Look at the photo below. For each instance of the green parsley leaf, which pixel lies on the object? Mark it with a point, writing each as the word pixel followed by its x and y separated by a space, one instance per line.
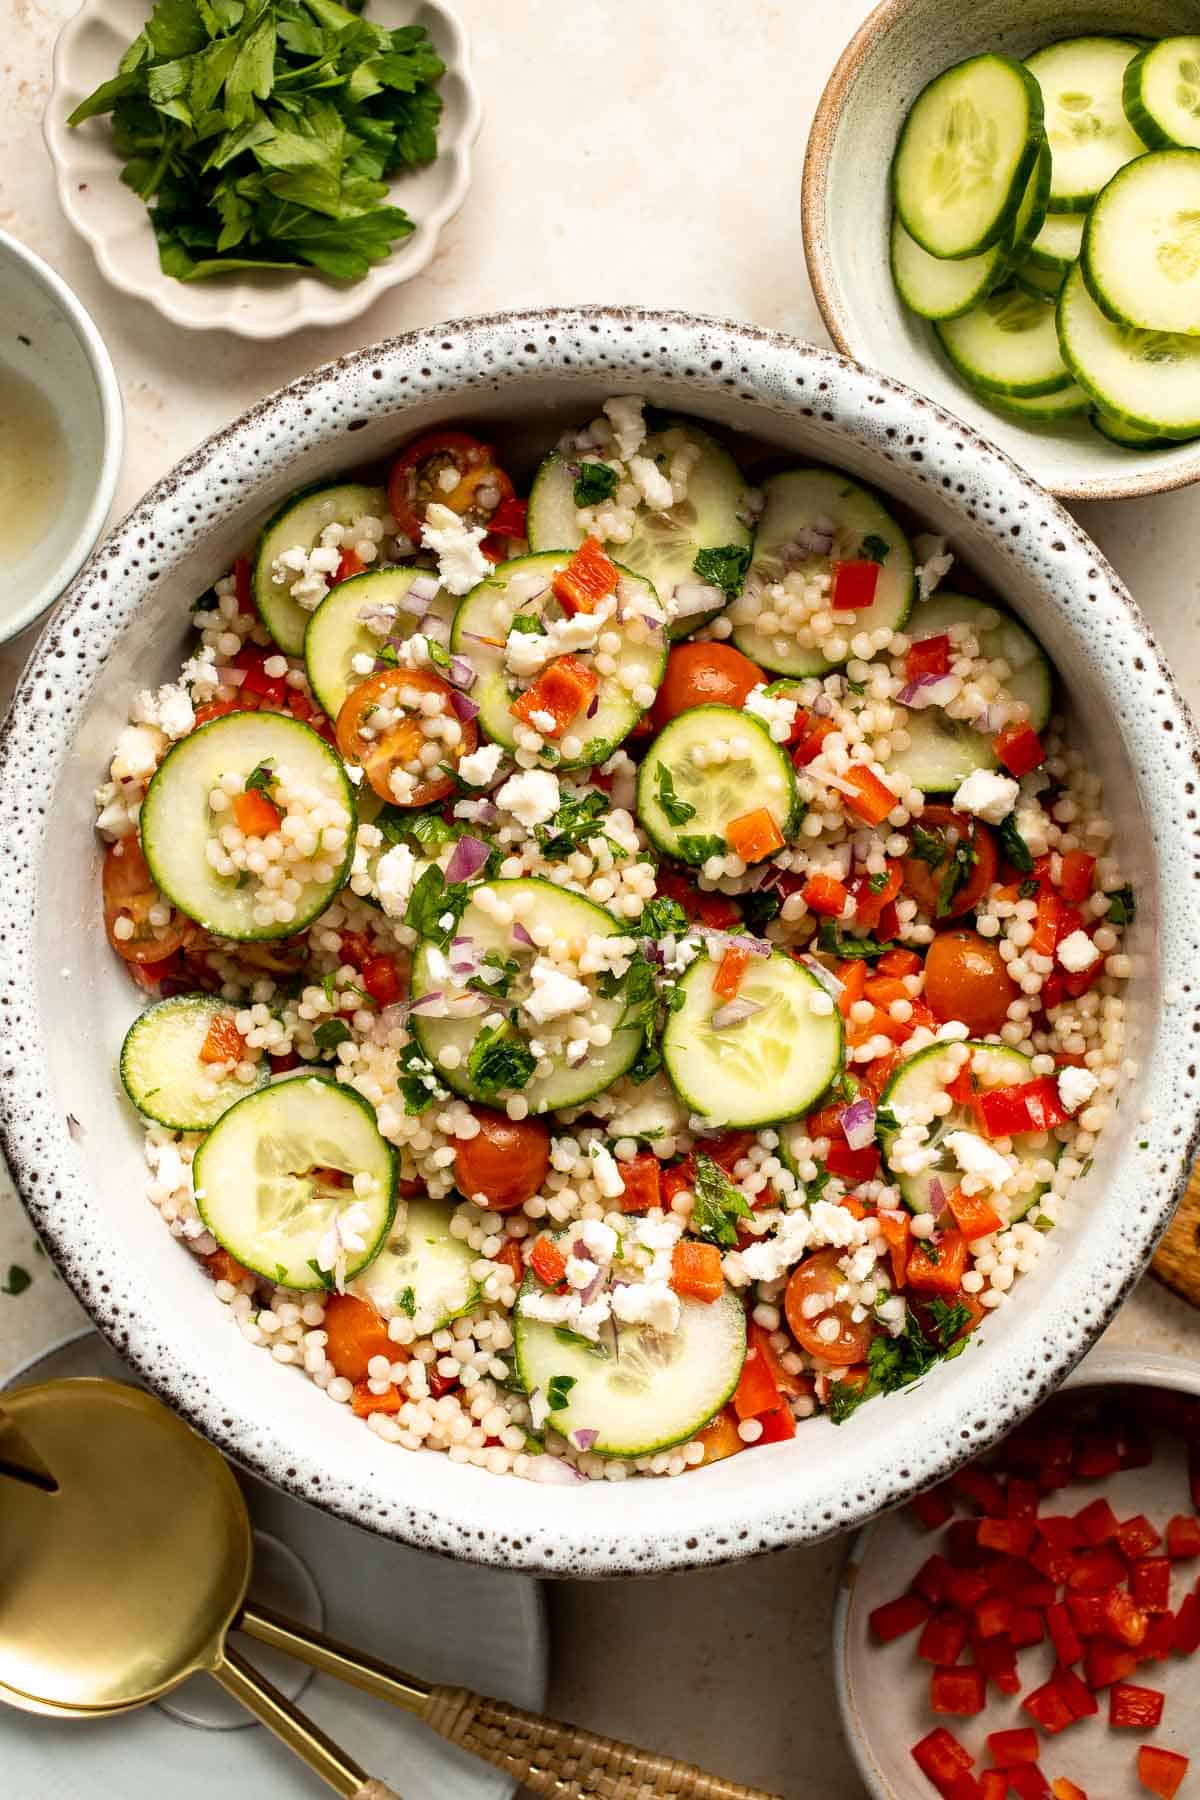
pixel 678 811
pixel 843 1398
pixel 330 1033
pixel 874 549
pixel 574 825
pixel 723 568
pixel 696 851
pixel 577 1341
pixel 408 1303
pixel 18 1280
pixel 527 625
pixel 1015 848
pixel 417 1079
pixel 437 653
pixel 557 1389
pixel 280 1273
pixel 816 1187
pixel 759 907
pixel 1122 907
pixel 507 969
pixel 886 1120
pixel 831 941
pixel 1029 890
pixel 324 1276
pixel 498 1060
pixel 426 829
pixel 927 846
pixel 894 1363
pixel 431 901
pixel 877 883
pixel 961 861
pixel 595 481
pixel 856 687
pixel 259 780
pixel 660 918
pixel 718 1204
pixel 948 1320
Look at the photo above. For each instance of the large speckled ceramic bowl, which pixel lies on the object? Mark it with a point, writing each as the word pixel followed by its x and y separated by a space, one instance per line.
pixel 846 209
pixel 65 1000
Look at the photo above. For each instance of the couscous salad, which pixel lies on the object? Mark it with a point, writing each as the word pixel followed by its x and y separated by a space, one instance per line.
pixel 629 968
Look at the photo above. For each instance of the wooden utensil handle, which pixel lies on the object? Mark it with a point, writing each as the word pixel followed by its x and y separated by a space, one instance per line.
pixel 564 1761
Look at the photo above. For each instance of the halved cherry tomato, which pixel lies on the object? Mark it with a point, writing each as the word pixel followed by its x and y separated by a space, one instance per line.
pixel 924 883
pixel 819 1274
pixel 415 479
pixel 703 675
pixel 220 709
pixel 965 978
pixel 129 893
pixel 505 1163
pixel 383 752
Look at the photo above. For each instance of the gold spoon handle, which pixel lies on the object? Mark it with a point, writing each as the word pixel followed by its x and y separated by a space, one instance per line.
pixel 306 1740
pixel 20 1460
pixel 562 1761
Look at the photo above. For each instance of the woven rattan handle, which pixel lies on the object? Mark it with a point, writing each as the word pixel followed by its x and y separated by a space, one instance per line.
pixel 562 1760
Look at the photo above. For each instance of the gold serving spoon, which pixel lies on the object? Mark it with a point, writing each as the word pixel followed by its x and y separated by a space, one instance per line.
pixel 125 1557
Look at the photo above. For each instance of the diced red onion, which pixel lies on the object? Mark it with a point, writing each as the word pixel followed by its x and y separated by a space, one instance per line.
pixel 725 940
pixel 377 618
pixel 462 672
pixel 230 677
pixel 858 1123
pixel 589 1292
pixel 465 708
pixel 937 1197
pixel 521 935
pixel 734 1012
pixel 989 720
pixel 808 541
pixel 930 690
pixel 823 706
pixel 584 1437
pixel 652 622
pixel 468 858
pixel 826 977
pixel 593 706
pixel 693 597
pixel 75 1129
pixel 425 1000
pixel 423 587
pixel 552 1471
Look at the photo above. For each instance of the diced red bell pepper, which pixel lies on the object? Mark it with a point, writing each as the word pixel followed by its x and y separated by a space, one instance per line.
pixel 982 1491
pixel 1060 1532
pixel 510 518
pixel 974 1216
pixel 1027 1628
pixel 942 1758
pixel 1183 1537
pixel 757 1391
pixel 588 577
pixel 255 815
pixel 1012 1537
pixel 1047 1705
pixel 998 1660
pixel 1053 1563
pixel 993 1785
pixel 1068 1645
pixel 562 690
pixel 1096 1457
pixel 1022 1498
pixel 1077 1694
pixel 928 656
pixel 643 1185
pixel 730 969
pixel 1161 1771
pixel 1045 929
pixel 1087 1614
pixel 1063 1789
pixel 778 1425
pixel 808 747
pixel 870 903
pixel 1020 1745
pixel 1134 1708
pixel 1019 748
pixel 1137 1537
pixel 960 1542
pixel 1097 1522
pixel 826 895
pixel 1104 1663
pixel 961 1692
pixel 1035 1592
pixel 1150 1584
pixel 1159 1640
pixel 1124 1619
pixel 1136 1450
pixel 942 1640
pixel 943 1276
pixel 1024 1106
pixel 696 1275
pixel 853 1165
pixel 243 586
pixel 854 583
pixel 1187 1626
pixel 896 1618
pixel 1028 1783
pixel 1075 882
pixel 1095 1571
pixel 966 1588
pixel 992 1615
pixel 872 799
pixel 931 1578
pixel 754 835
pixel 548 1262
pixel 350 563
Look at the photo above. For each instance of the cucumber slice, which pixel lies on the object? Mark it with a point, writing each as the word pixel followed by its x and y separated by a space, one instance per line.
pixel 1058 243
pixel 942 751
pixel 161 1068
pixel 177 823
pixel 335 634
pixel 423 1268
pixel 658 1391
pixel 664 545
pixel 1007 344
pixel 1147 379
pixel 757 772
pixel 1129 438
pixel 1162 93
pixel 965 155
pixel 934 287
pixel 566 915
pixel 1141 247
pixel 1082 80
pixel 1031 214
pixel 1049 409
pixel 1032 278
pixel 918 1080
pixel 797 501
pixel 481 626
pixel 773 1065
pixel 257 1192
pixel 299 523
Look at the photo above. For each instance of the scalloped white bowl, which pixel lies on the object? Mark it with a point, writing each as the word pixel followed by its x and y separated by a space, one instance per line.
pixel 252 304
pixel 65 1001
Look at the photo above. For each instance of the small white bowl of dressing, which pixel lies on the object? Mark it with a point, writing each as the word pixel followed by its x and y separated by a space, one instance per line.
pixel 61 436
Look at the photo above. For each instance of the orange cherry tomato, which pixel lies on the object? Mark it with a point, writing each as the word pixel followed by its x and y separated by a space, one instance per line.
pixel 703 675
pixel 965 978
pixel 924 882
pixel 129 893
pixel 377 731
pixel 819 1274
pixel 506 1162
pixel 415 480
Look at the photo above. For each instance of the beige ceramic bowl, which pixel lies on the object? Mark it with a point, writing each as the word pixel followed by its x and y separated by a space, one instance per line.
pixel 847 212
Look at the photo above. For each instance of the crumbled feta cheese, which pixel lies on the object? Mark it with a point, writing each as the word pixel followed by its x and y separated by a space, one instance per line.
pixel 599 1239
pixel 480 766
pixel 652 1303
pixel 624 414
pixel 834 1225
pixel 461 563
pixel 976 1157
pixel 531 796
pixel 935 562
pixel 137 752
pixel 770 1258
pixel 361 663
pixel 354 773
pixel 989 796
pixel 605 1170
pixel 581 1272
pixel 651 483
pixel 545 722
pixel 170 709
pixel 1032 824
pixel 526 653
pixel 1076 1087
pixel 777 712
pixel 1077 952
pixel 554 994
pixel 394 874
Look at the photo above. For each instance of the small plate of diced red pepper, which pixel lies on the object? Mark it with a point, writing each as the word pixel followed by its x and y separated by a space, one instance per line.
pixel 1031 1628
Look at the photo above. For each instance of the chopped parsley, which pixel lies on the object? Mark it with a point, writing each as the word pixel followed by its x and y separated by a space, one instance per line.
pixel 831 941
pixel 1029 890
pixel 557 1389
pixel 573 826
pixel 1122 907
pixel 437 653
pixel 527 625
pixel 426 828
pixel 661 918
pixel 696 850
pixel 330 1033
pixel 948 1320
pixel 723 568
pixel 595 481
pixel 885 1119
pixel 17 1281
pixel 894 1363
pixel 324 1276
pixel 927 846
pixel 259 780
pixel 431 901
pixel 577 1341
pixel 678 811
pixel 507 969
pixel 417 1079
pixel 1015 848
pixel 961 861
pixel 816 1187
pixel 759 908
pixel 877 883
pixel 873 549
pixel 718 1204
pixel 498 1060
pixel 407 1303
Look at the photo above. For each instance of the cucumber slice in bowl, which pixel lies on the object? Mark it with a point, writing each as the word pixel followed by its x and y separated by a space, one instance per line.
pixel 178 825
pixel 934 287
pixel 1081 81
pixel 1149 380
pixel 1008 344
pixel 335 634
pixel 161 1068
pixel 1032 278
pixel 811 519
pixel 1058 243
pixel 923 1077
pixel 263 1189
pixel 658 1391
pixel 1162 93
pixel 664 545
pixel 482 625
pixel 770 1066
pixel 966 152
pixel 1044 409
pixel 298 525
pixel 1141 247
pixel 422 1269
pixel 565 915
pixel 686 799
pixel 1128 436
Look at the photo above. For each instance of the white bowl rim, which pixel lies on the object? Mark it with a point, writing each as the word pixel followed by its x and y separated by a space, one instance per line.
pixel 112 414
pixel 827 291
pixel 584 1531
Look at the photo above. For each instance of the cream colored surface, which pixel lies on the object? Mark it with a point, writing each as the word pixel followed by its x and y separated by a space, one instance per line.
pixel 645 154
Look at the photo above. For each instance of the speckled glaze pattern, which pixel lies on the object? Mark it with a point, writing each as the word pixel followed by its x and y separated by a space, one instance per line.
pixel 846 217
pixel 64 1004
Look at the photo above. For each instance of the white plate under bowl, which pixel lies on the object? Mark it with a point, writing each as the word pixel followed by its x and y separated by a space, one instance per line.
pixel 250 303
pixel 436 1618
pixel 883 1690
